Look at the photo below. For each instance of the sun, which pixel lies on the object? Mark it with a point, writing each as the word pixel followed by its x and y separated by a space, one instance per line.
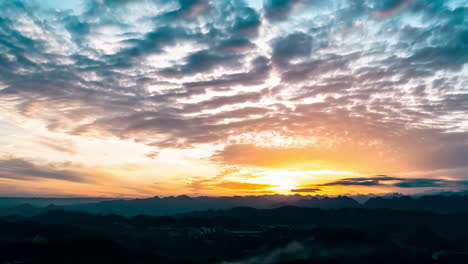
pixel 284 183
pixel 288 181
pixel 283 180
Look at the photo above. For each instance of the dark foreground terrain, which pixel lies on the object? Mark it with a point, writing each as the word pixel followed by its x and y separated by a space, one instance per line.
pixel 287 234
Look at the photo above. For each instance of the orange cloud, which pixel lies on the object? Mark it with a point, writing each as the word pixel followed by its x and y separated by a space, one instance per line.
pixel 343 158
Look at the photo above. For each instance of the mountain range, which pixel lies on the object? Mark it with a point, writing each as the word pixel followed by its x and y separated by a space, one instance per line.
pixel 159 206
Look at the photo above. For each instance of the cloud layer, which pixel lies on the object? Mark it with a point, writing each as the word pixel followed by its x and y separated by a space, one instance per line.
pixel 382 180
pixel 369 86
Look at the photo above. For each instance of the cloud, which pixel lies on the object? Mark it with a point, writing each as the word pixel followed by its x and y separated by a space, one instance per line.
pixel 364 181
pixel 306 190
pixel 201 61
pixel 247 21
pixel 382 180
pixel 191 8
pixel 276 10
pixel 391 7
pixel 21 169
pixel 152 155
pixel 218 101
pixel 425 183
pixel 296 45
pixel 155 41
pixel 260 69
pixel 339 158
pixel 64 146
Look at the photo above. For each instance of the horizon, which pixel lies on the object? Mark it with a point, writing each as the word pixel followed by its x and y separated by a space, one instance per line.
pixel 308 195
pixel 128 99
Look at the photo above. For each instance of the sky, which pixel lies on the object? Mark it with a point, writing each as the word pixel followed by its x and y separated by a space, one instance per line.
pixel 137 98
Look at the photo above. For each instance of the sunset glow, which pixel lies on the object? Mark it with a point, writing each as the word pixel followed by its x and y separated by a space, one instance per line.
pixel 143 98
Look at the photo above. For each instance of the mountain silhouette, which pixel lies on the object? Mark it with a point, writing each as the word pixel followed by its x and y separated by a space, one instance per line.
pixel 434 203
pixel 183 204
pixel 172 205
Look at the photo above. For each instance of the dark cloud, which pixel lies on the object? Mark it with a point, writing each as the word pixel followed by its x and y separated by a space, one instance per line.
pixel 293 46
pixel 390 7
pixel 247 21
pixel 203 61
pixel 364 181
pixel 219 101
pixel 311 68
pixel 426 183
pixel 381 180
pixel 260 69
pixel 155 41
pixel 20 169
pixel 192 8
pixel 306 190
pixel 236 45
pixel 77 28
pixel 276 10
